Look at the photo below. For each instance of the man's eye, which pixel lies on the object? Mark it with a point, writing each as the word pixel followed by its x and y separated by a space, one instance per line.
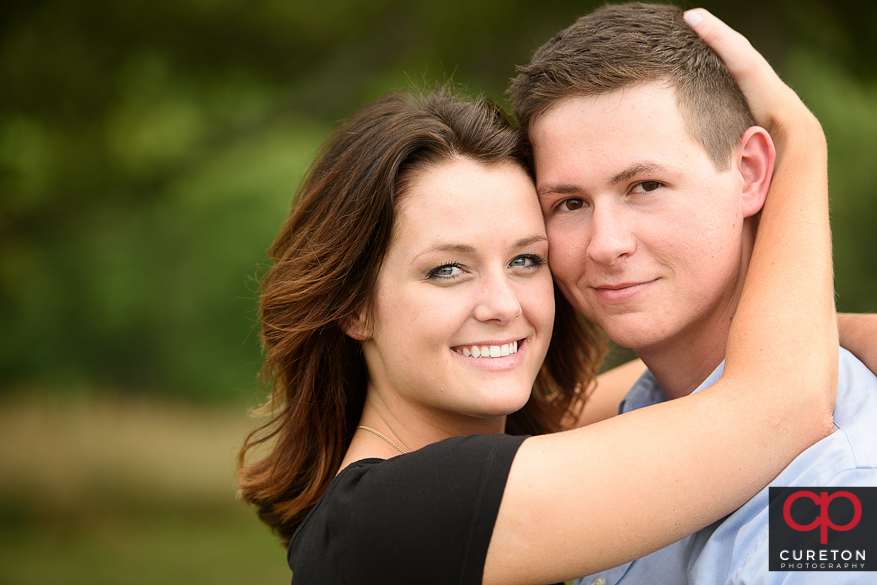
pixel 646 187
pixel 572 204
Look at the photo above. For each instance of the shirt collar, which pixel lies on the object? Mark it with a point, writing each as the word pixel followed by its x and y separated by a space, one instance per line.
pixel 646 390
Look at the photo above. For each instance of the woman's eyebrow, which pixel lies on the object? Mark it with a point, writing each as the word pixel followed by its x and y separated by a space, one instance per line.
pixel 534 239
pixel 467 249
pixel 449 247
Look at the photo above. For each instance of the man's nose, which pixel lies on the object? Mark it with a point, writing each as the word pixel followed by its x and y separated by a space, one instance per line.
pixel 611 238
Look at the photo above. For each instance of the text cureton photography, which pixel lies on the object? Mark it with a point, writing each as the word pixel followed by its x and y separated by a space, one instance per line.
pixel 823 529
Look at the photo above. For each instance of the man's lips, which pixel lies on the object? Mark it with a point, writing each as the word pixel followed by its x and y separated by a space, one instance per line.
pixel 623 291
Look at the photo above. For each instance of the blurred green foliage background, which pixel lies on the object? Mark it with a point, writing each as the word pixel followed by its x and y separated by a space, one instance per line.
pixel 148 154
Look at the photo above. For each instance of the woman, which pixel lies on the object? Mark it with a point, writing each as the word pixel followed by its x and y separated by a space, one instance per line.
pixel 401 299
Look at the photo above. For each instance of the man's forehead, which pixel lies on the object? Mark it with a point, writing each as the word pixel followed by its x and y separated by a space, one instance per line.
pixel 634 131
pixel 613 99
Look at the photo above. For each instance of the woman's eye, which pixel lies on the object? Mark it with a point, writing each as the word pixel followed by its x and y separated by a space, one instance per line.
pixel 527 261
pixel 445 271
pixel 646 187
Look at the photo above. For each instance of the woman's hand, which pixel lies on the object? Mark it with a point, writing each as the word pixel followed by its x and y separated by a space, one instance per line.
pixel 775 106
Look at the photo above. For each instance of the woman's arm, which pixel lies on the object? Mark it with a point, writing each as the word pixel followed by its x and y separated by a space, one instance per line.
pixel 584 500
pixel 858 334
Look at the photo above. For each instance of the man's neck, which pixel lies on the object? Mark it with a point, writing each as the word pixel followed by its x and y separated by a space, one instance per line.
pixel 683 366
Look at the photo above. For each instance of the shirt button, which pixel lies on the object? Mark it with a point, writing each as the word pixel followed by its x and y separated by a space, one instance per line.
pixel 599 581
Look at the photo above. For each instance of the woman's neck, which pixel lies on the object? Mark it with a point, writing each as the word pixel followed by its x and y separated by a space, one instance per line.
pixel 409 428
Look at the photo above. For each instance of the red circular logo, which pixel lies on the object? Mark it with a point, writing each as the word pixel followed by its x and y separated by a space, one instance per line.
pixel 823 522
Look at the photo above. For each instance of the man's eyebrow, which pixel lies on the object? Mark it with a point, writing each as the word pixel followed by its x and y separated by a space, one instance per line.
pixel 639 169
pixel 556 189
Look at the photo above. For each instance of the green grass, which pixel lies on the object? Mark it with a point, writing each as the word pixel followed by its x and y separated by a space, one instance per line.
pixel 139 547
pixel 126 492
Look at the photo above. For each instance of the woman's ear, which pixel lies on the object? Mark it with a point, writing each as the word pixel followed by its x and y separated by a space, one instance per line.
pixel 357 326
pixel 756 160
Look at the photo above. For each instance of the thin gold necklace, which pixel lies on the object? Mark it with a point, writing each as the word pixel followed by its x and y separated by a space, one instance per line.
pixel 371 430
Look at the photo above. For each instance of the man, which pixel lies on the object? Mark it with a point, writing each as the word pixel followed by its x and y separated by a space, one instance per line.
pixel 651 174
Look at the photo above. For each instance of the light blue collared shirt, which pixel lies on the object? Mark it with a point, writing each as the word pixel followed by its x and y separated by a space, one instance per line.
pixel 735 550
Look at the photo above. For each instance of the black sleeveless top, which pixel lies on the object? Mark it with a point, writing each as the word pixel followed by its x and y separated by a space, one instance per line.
pixel 422 517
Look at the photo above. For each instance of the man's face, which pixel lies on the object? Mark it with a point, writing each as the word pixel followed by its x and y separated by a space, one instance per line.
pixel 645 235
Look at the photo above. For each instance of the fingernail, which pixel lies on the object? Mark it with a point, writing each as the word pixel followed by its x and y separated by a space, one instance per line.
pixel 692 18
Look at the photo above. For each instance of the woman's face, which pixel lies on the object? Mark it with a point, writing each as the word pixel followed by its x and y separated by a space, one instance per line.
pixel 464 302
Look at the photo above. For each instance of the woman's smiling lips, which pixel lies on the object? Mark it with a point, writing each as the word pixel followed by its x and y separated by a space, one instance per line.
pixel 485 350
pixel 615 293
pixel 490 353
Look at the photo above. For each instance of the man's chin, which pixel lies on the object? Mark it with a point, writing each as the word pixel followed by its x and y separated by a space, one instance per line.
pixel 631 333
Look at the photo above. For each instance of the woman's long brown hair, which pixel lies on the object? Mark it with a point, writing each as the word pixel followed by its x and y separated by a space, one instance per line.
pixel 326 260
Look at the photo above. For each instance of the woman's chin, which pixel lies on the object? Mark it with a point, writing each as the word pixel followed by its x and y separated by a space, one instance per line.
pixel 509 404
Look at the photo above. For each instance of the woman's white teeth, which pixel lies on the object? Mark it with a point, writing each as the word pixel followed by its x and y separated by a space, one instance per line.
pixel 490 350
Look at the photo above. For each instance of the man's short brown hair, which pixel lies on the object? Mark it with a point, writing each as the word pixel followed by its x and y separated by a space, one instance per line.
pixel 627 45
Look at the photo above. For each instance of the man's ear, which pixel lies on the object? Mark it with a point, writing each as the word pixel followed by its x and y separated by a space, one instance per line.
pixel 357 326
pixel 756 159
